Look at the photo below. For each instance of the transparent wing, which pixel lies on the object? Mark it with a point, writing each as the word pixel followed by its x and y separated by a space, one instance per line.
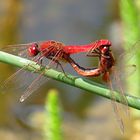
pixel 129 54
pixel 118 109
pixel 118 85
pixel 34 85
pixel 36 82
pixel 24 81
pixel 11 82
pixel 19 49
pixel 18 81
pixel 120 72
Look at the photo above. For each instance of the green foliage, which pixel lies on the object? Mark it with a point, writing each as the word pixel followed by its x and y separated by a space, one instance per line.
pixel 52 124
pixel 129 16
pixel 130 21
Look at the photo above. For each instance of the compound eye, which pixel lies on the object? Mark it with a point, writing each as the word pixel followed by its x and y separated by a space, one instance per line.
pixel 33 50
pixel 35 45
pixel 105 49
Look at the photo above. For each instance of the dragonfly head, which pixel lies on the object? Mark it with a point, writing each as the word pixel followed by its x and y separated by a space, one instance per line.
pixel 105 49
pixel 104 46
pixel 33 50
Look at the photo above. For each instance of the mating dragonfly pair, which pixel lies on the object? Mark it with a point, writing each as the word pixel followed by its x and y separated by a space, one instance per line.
pixel 57 52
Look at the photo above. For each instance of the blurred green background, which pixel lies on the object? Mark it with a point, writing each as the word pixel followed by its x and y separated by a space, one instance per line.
pixel 83 116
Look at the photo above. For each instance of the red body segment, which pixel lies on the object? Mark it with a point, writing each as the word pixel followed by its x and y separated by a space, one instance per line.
pixel 106 60
pixel 46 44
pixel 72 49
pixel 69 49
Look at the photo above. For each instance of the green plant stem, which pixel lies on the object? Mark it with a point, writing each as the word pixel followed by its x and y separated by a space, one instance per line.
pixel 81 83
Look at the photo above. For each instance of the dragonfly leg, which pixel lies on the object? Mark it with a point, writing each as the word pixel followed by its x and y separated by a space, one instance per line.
pixel 93 55
pixel 40 62
pixel 59 64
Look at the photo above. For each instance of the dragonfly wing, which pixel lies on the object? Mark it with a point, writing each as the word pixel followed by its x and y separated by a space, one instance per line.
pixel 36 83
pixel 11 82
pixel 19 49
pixel 130 53
pixel 118 84
pixel 118 108
pixel 17 81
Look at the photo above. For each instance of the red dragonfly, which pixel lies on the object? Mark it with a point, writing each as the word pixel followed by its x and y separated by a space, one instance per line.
pixel 57 51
